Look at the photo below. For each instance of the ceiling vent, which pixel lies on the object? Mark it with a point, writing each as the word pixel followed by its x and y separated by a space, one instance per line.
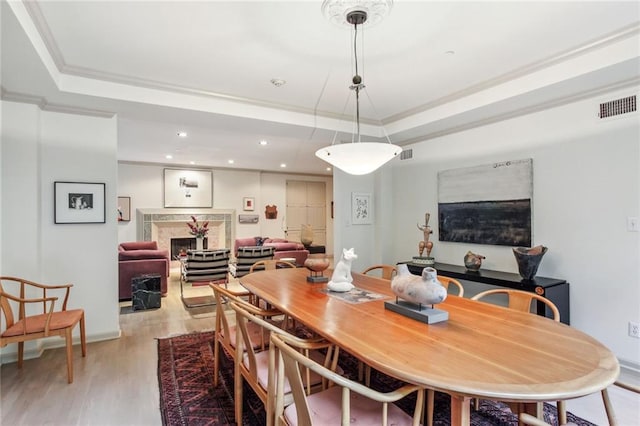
pixel 406 154
pixel 618 107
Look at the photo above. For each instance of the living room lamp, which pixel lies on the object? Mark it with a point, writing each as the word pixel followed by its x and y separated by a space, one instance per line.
pixel 358 157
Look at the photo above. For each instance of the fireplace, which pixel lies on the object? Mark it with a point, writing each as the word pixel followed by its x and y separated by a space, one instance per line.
pixel 165 225
pixel 179 246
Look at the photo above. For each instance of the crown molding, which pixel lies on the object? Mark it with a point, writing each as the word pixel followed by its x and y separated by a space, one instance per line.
pixel 46 106
pixel 630 83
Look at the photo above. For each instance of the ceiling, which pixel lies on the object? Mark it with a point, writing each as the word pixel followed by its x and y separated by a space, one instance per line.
pixel 431 68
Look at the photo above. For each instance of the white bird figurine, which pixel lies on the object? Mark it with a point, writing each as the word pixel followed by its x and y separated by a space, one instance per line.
pixel 425 290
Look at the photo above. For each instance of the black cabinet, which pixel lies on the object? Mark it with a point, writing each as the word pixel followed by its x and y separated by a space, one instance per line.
pixel 554 289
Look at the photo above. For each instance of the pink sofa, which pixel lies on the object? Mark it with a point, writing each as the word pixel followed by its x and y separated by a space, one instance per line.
pixel 284 248
pixel 141 258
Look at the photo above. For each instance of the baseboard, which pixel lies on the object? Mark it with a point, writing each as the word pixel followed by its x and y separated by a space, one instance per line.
pixel 629 366
pixel 7 357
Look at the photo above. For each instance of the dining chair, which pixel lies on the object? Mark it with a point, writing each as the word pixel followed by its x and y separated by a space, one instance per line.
pixel 528 419
pixel 50 322
pixel 521 301
pixel 446 281
pixel 225 333
pixel 386 271
pixel 252 366
pixel 270 264
pixel 343 401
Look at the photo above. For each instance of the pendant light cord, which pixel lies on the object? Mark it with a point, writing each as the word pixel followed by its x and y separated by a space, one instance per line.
pixel 357 80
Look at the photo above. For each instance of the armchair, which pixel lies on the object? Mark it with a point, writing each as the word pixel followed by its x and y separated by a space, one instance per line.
pixel 141 258
pixel 51 322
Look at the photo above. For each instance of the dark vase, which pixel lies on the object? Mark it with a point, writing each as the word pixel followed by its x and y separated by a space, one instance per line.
pixel 528 260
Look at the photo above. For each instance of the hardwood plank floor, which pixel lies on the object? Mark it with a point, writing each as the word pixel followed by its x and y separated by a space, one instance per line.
pixel 117 383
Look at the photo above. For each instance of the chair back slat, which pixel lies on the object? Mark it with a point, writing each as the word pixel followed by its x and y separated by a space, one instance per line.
pixel 521 300
pixel 387 271
pixel 446 281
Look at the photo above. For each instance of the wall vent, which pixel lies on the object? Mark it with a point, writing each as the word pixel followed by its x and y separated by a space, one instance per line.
pixel 617 107
pixel 406 154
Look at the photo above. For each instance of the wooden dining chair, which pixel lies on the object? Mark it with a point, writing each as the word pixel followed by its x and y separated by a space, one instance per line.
pixel 50 322
pixel 522 301
pixel 387 272
pixel 252 366
pixel 342 402
pixel 446 281
pixel 270 264
pixel 528 419
pixel 225 333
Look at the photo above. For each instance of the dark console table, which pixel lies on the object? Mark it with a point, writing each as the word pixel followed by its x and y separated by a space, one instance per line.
pixel 554 289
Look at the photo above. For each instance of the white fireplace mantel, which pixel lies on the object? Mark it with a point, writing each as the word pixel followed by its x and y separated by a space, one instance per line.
pixel 221 221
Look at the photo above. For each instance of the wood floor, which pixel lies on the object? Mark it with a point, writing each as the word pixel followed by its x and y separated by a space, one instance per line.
pixel 117 383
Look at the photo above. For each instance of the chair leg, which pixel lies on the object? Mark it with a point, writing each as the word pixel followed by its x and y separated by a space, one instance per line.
pixel 83 338
pixel 237 394
pixel 20 354
pixel 611 416
pixel 216 360
pixel 69 339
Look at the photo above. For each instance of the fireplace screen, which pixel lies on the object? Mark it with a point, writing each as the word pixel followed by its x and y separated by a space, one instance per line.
pixel 179 246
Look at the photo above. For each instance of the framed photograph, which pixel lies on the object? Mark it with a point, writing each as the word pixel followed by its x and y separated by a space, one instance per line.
pixel 361 208
pixel 188 188
pixel 249 204
pixel 78 202
pixel 248 218
pixel 124 209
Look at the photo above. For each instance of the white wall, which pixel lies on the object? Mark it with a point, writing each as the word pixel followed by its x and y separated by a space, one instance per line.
pixel 144 184
pixel 39 148
pixel 586 184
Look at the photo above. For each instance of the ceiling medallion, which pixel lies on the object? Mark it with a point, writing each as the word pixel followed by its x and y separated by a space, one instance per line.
pixel 336 11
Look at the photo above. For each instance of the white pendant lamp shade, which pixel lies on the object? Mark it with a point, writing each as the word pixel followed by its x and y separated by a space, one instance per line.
pixel 358 158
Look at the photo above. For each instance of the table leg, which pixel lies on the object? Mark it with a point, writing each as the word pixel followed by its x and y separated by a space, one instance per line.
pixel 460 410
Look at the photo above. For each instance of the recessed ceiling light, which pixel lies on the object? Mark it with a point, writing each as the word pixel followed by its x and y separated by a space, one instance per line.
pixel 192 162
pixel 283 165
pixel 263 142
pixel 278 82
pixel 182 134
pixel 450 52
pixel 230 161
pixel 168 156
pixel 328 169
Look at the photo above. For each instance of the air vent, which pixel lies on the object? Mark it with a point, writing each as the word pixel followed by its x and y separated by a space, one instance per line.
pixel 406 154
pixel 617 107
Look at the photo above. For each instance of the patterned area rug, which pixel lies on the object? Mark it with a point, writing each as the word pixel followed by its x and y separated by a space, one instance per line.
pixel 187 395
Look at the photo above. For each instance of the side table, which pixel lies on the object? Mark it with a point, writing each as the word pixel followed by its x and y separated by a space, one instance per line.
pixel 145 292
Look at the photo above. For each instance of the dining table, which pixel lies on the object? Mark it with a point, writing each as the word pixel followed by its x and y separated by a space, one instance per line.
pixel 481 351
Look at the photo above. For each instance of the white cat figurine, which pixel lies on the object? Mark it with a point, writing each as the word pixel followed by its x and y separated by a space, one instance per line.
pixel 341 279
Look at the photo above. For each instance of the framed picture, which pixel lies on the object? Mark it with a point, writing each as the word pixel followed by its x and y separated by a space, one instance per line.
pixel 248 204
pixel 248 218
pixel 188 188
pixel 124 209
pixel 361 213
pixel 78 202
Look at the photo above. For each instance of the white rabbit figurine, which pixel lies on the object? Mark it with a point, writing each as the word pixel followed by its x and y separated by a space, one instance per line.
pixel 341 279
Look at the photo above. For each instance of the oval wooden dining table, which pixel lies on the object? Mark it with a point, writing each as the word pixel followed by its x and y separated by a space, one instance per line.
pixel 482 350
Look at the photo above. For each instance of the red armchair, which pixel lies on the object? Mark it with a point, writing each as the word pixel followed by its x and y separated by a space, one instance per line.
pixel 141 258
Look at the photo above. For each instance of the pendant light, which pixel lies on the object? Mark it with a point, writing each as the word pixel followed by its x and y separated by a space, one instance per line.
pixel 358 157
